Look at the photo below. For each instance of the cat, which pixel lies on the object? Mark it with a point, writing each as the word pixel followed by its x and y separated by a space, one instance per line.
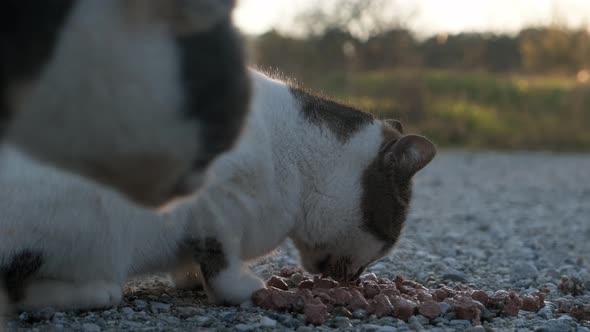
pixel 333 179
pixel 139 95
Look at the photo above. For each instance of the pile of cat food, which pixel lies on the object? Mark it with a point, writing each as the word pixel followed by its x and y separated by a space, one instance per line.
pixel 571 306
pixel 319 299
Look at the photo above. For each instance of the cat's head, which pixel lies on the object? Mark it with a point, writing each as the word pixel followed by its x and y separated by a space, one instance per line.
pixel 75 89
pixel 362 217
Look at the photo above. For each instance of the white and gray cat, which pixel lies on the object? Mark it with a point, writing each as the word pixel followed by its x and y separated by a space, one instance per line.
pixel 333 179
pixel 138 94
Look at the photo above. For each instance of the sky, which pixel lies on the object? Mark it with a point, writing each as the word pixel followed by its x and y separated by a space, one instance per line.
pixel 433 16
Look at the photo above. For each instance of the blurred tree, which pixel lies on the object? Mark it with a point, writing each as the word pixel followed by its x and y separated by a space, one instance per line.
pixel 389 49
pixel 362 18
pixel 554 49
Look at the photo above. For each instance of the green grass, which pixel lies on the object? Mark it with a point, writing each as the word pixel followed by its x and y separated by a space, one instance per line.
pixel 474 110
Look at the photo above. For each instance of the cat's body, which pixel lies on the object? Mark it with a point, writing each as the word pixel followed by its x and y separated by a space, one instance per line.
pixel 137 94
pixel 331 178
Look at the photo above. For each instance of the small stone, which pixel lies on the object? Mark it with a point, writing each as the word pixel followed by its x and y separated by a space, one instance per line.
pixel 201 320
pixel 359 314
pixel 415 324
pixel 304 329
pixel 127 311
pixel 422 320
pixel 156 307
pixel 247 304
pixel 430 309
pixel 477 328
pixel 460 323
pixel 546 312
pixel 277 282
pixel 91 327
pixel 268 322
pixel 140 304
pixel 455 275
pixel 246 327
pixel 44 314
pixel 525 270
pixel 315 312
pixel 342 323
pixel 555 325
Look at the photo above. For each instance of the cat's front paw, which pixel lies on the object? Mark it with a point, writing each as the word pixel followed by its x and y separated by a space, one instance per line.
pixel 233 288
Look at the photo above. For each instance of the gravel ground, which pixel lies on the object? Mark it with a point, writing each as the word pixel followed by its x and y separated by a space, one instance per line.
pixel 493 220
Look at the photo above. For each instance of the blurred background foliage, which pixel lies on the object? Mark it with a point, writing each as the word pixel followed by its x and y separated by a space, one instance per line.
pixel 529 90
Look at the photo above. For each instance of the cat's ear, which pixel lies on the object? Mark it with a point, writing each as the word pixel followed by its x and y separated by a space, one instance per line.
pixel 409 154
pixel 395 124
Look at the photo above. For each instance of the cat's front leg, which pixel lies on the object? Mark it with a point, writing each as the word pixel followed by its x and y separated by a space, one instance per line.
pixel 232 285
pixel 226 280
pixel 64 295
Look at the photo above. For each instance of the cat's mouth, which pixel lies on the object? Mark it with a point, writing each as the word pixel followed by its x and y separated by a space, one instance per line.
pixel 339 269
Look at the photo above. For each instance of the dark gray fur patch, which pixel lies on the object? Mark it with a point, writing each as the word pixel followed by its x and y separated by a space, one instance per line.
pixel 19 271
pixel 342 120
pixel 386 196
pixel 209 254
pixel 28 33
pixel 216 86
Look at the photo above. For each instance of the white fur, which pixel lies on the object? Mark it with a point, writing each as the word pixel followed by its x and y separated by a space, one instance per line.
pixel 91 239
pixel 108 104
